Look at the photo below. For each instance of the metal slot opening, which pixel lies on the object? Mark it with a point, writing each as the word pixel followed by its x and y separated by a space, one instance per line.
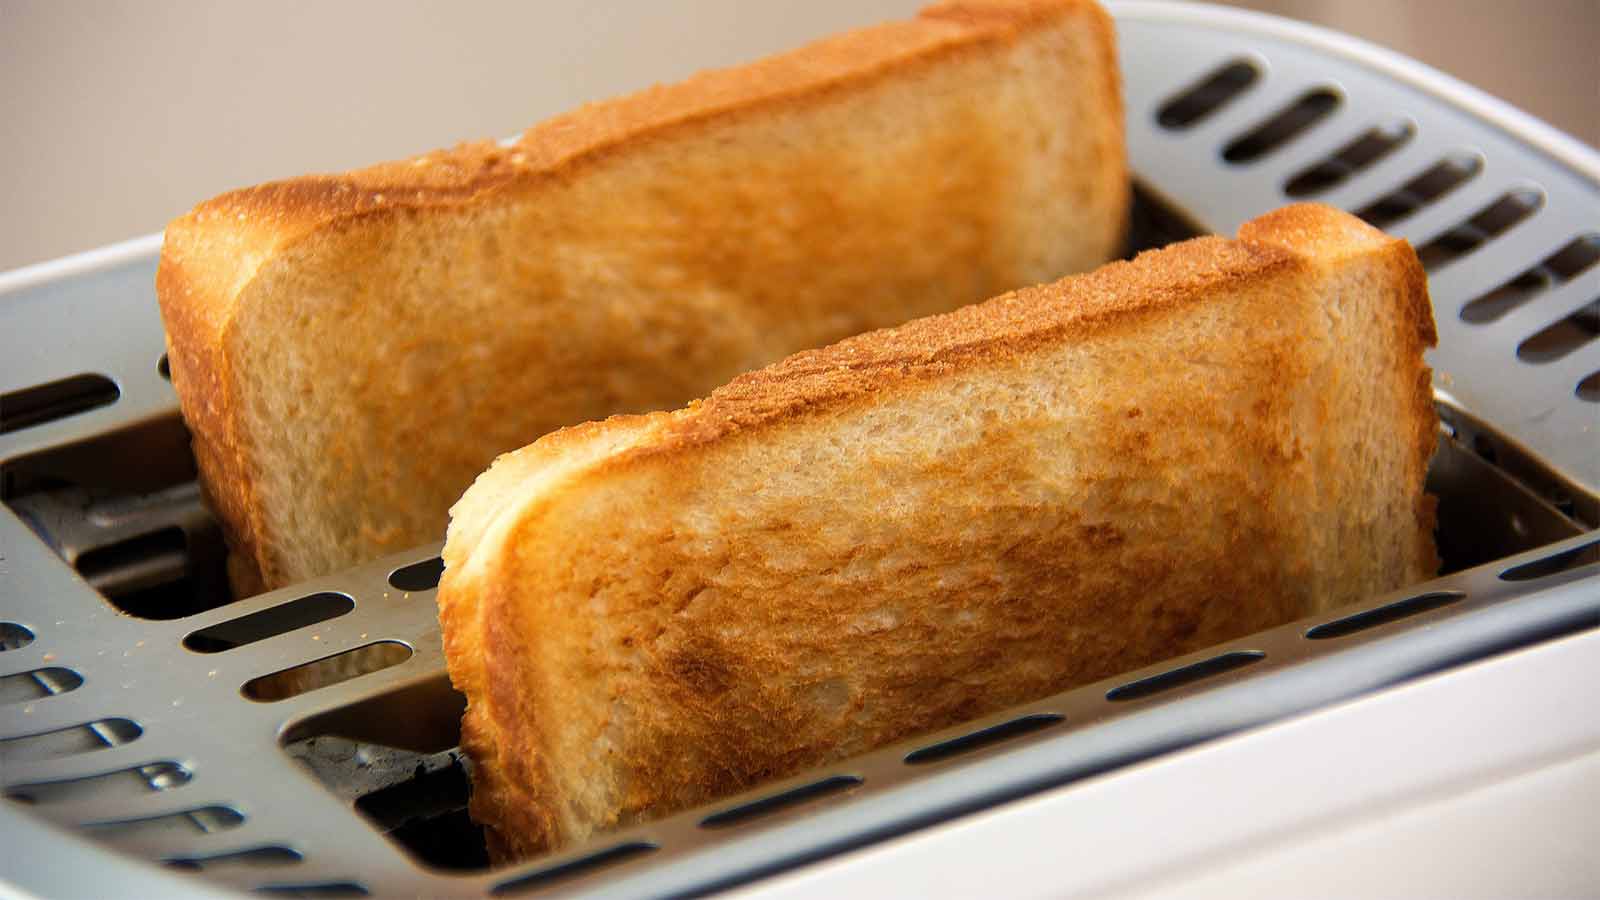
pixel 329 889
pixel 1292 121
pixel 39 683
pixel 778 802
pixel 257 857
pixel 164 368
pixel 1561 338
pixel 1176 678
pixel 1359 154
pixel 419 576
pixel 258 626
pixel 1551 565
pixel 69 741
pixel 1588 389
pixel 204 820
pixel 426 814
pixel 610 856
pixel 56 400
pixel 986 737
pixel 131 782
pixel 1392 612
pixel 1208 95
pixel 1558 268
pixel 326 672
pixel 1490 222
pixel 14 636
pixel 1439 179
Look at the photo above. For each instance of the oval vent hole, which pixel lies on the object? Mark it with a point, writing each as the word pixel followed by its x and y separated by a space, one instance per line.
pixel 56 400
pixel 133 782
pixel 419 576
pixel 69 741
pixel 1359 154
pixel 204 820
pixel 326 672
pixel 257 857
pixel 1208 95
pixel 977 740
pixel 1439 179
pixel 777 802
pixel 610 856
pixel 1561 338
pixel 1558 268
pixel 259 626
pixel 1294 120
pixel 1489 223
pixel 1558 562
pixel 1189 674
pixel 14 636
pixel 1389 612
pixel 164 367
pixel 321 889
pixel 25 686
pixel 1588 389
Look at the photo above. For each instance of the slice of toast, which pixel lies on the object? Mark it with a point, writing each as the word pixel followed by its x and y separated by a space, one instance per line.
pixel 351 350
pixel 927 523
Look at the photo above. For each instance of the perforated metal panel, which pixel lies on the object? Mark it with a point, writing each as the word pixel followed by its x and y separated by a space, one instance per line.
pixel 173 741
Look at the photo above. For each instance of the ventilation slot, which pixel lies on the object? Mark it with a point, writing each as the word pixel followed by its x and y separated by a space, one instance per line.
pixel 977 740
pixel 327 672
pixel 256 858
pixel 164 368
pixel 425 813
pixel 39 683
pixel 768 805
pixel 1383 615
pixel 1491 222
pixel 144 576
pixel 1441 178
pixel 1189 674
pixel 1560 267
pixel 205 820
pixel 1295 119
pixel 14 636
pixel 134 782
pixel 1353 157
pixel 1551 565
pixel 1563 337
pixel 582 865
pixel 1588 389
pixel 56 400
pixel 69 741
pixel 259 626
pixel 421 576
pixel 328 889
pixel 1209 95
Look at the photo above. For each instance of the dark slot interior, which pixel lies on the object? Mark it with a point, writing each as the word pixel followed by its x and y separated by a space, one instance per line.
pixel 1555 563
pixel 1489 223
pixel 323 889
pixel 39 683
pixel 1383 615
pixel 1208 95
pixel 1560 338
pixel 14 636
pixel 1185 675
pixel 204 820
pixel 1558 268
pixel 69 741
pixel 610 856
pixel 257 857
pixel 1588 389
pixel 326 672
pixel 156 776
pixel 280 619
pixel 55 400
pixel 427 816
pixel 1373 145
pixel 1439 179
pixel 419 576
pixel 777 802
pixel 985 737
pixel 1292 121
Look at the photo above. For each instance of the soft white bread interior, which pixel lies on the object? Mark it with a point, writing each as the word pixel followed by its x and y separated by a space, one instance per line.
pixel 923 524
pixel 351 350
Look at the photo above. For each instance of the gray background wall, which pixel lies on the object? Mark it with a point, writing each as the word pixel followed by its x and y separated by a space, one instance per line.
pixel 119 115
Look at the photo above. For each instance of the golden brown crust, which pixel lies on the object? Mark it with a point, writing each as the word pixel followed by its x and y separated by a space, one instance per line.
pixel 246 230
pixel 736 693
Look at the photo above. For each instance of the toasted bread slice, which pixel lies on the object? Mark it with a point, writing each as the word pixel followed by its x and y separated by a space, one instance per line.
pixel 923 524
pixel 351 350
